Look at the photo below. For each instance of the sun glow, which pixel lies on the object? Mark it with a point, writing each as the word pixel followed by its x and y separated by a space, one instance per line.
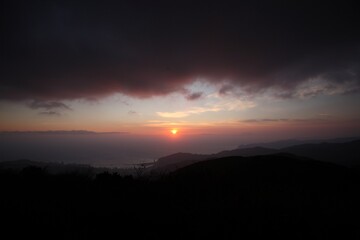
pixel 174 131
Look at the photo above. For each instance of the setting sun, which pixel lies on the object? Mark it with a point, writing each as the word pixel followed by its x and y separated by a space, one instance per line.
pixel 174 131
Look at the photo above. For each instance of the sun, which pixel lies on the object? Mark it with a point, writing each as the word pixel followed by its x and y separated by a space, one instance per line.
pixel 174 131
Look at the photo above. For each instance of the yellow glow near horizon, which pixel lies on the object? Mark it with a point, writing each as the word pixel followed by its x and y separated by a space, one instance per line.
pixel 174 131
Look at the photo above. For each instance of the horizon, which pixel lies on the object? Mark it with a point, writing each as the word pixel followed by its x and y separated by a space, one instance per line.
pixel 121 149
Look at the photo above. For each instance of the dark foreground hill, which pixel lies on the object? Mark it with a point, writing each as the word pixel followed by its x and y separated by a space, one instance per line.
pixel 343 153
pixel 347 153
pixel 279 196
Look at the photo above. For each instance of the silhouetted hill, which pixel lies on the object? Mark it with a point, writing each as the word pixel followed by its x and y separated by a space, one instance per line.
pixel 292 142
pixel 276 165
pixel 179 157
pixel 180 160
pixel 176 161
pixel 281 194
pixel 245 152
pixel 278 196
pixel 342 153
pixel 347 153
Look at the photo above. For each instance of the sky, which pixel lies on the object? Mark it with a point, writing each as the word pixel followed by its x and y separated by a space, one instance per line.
pixel 258 69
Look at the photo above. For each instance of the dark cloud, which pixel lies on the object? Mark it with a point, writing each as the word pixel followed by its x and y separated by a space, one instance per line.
pixel 53 50
pixel 126 103
pixel 282 120
pixel 48 105
pixel 131 112
pixel 194 96
pixel 225 89
pixel 264 120
pixel 50 113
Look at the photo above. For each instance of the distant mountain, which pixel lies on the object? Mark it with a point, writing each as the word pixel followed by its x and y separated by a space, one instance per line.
pixel 51 168
pixel 347 153
pixel 180 160
pixel 176 161
pixel 179 157
pixel 245 152
pixel 57 132
pixel 292 142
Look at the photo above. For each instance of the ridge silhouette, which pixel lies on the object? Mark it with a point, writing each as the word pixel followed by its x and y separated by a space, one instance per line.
pixel 278 195
pixel 344 153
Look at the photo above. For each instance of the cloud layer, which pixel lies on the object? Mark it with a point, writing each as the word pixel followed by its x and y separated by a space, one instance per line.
pixel 215 104
pixel 48 108
pixel 48 105
pixel 57 50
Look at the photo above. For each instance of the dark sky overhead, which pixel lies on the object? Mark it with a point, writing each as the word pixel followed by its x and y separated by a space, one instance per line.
pixel 56 50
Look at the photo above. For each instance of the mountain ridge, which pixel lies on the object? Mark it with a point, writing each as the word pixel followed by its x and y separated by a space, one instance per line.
pixel 347 153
